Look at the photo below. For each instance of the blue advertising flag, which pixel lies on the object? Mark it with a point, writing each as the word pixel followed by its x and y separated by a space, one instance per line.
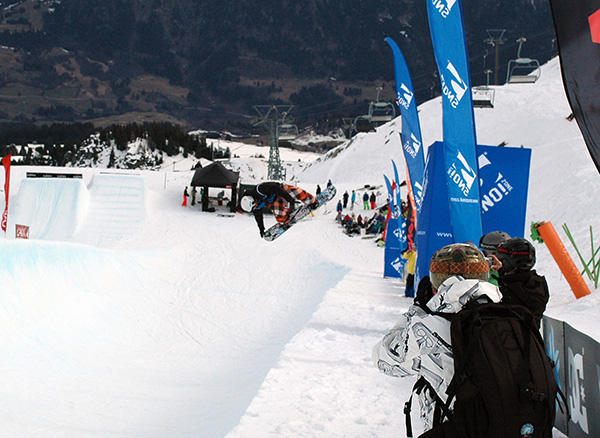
pixel 447 34
pixel 394 263
pixel 434 230
pixel 504 179
pixel 412 144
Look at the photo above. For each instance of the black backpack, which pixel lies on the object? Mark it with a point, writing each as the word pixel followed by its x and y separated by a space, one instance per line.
pixel 503 384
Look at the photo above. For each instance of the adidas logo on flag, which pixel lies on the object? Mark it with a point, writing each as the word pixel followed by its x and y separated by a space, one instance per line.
pixel 412 146
pixel 443 6
pixel 457 88
pixel 398 265
pixel 405 97
pixel 462 174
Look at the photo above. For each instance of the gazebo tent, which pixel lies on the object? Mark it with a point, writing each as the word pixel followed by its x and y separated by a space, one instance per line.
pixel 216 175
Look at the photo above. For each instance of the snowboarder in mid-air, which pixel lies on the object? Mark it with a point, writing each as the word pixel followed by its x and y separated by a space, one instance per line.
pixel 278 198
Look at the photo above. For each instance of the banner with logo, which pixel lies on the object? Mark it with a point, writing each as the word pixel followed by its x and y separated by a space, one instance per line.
pixel 412 143
pixel 447 34
pixel 394 263
pixel 577 359
pixel 504 179
pixel 6 164
pixel 434 229
pixel 504 185
pixel 577 24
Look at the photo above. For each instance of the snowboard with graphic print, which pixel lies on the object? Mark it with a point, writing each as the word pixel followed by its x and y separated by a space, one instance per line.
pixel 301 212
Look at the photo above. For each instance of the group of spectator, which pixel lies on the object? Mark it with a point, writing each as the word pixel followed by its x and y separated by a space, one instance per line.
pixel 369 201
pixel 354 225
pixel 186 196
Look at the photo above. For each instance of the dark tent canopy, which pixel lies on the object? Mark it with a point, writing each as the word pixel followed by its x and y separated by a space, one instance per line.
pixel 216 175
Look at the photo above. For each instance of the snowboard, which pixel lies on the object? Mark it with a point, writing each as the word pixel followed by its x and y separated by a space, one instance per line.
pixel 301 212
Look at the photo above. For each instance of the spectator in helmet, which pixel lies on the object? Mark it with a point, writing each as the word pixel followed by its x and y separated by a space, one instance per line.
pixel 488 244
pixel 420 344
pixel 518 281
pixel 278 197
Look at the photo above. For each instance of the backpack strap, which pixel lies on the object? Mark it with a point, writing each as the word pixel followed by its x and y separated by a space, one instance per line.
pixel 441 409
pixel 417 389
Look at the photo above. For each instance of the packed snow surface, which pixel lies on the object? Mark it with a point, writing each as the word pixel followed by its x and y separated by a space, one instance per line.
pixel 128 315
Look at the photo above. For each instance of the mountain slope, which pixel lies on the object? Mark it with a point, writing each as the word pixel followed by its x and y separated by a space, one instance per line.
pixel 190 60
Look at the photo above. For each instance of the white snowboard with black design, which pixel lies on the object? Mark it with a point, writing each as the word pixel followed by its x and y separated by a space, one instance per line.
pixel 279 228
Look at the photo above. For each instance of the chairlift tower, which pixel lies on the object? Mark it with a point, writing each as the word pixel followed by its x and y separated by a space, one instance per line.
pixel 496 39
pixel 487 73
pixel 271 117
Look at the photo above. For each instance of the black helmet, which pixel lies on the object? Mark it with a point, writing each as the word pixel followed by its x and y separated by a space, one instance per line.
pixel 490 241
pixel 516 253
pixel 458 259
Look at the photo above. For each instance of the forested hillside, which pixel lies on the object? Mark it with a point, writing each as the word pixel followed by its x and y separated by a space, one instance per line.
pixel 183 60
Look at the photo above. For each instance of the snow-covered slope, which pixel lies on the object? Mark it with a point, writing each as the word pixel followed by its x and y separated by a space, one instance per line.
pixel 191 325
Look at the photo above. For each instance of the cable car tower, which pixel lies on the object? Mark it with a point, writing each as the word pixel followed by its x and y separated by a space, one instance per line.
pixel 272 117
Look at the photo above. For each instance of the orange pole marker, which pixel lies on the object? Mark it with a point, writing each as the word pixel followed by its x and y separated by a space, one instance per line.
pixel 563 259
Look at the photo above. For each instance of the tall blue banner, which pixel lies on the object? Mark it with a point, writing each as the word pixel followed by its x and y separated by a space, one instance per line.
pixel 447 34
pixel 504 180
pixel 394 263
pixel 412 143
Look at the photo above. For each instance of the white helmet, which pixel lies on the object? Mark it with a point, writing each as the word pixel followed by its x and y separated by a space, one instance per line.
pixel 246 203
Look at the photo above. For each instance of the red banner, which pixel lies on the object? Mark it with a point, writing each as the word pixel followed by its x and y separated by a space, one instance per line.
pixel 6 164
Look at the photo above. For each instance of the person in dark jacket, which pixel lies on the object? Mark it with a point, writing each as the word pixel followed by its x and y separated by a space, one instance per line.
pixel 518 281
pixel 373 200
pixel 345 197
pixel 278 198
pixel 185 196
pixel 365 201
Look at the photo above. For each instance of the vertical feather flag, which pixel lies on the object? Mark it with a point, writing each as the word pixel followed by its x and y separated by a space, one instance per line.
pixel 448 37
